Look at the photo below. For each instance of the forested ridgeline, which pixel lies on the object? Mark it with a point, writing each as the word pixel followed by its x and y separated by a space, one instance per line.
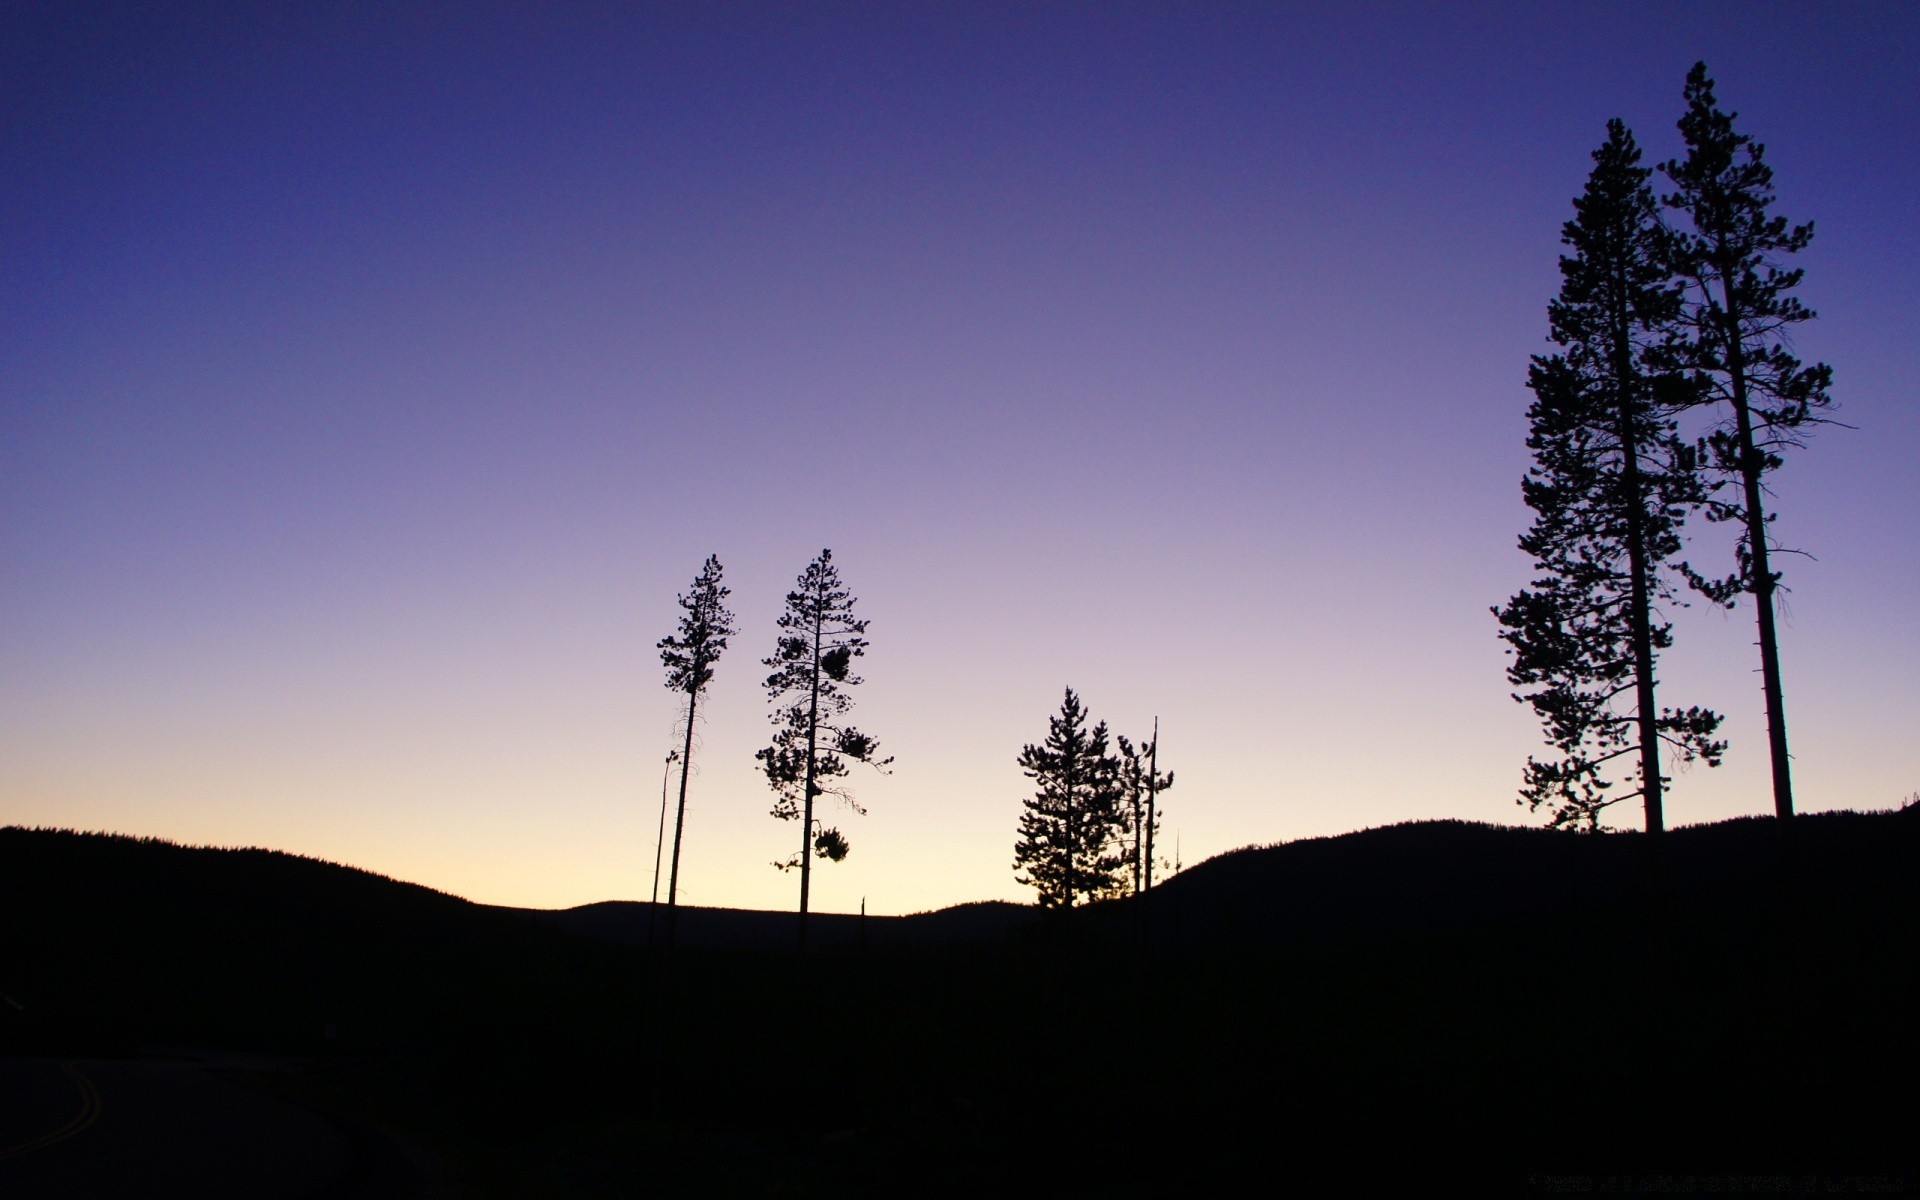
pixel 113 942
pixel 1450 876
pixel 638 924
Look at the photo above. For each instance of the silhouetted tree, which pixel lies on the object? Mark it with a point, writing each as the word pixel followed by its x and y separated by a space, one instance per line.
pixel 1610 486
pixel 1735 319
pixel 1070 841
pixel 689 656
pixel 812 668
pixel 660 842
pixel 1141 782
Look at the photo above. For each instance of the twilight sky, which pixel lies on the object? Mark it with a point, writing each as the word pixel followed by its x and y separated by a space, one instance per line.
pixel 372 377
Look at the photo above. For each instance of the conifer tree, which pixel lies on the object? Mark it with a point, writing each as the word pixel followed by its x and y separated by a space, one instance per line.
pixel 812 668
pixel 1070 841
pixel 1610 486
pixel 1737 312
pixel 689 657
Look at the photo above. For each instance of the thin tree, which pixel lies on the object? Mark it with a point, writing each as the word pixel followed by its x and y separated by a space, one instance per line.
pixel 1156 783
pixel 1071 829
pixel 812 669
pixel 1141 782
pixel 689 657
pixel 660 842
pixel 1611 485
pixel 1737 313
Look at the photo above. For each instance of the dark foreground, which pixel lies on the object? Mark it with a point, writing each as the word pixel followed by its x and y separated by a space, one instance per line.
pixel 1426 1006
pixel 172 1127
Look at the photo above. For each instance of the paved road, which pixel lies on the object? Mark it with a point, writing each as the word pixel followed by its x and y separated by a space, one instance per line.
pixel 79 1130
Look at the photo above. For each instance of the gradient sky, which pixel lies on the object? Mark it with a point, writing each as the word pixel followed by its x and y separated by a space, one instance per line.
pixel 372 377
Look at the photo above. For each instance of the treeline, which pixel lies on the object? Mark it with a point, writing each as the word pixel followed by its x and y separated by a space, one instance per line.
pixel 1674 394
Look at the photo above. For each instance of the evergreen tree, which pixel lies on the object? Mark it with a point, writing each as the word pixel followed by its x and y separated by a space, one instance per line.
pixel 1070 840
pixel 1610 486
pixel 689 657
pixel 1736 315
pixel 1141 782
pixel 812 668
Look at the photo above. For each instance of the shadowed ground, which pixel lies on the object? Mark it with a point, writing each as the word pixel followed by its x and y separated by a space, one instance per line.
pixel 140 1128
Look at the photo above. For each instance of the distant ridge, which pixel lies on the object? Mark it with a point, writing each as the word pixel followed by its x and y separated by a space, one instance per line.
pixel 58 862
pixel 627 922
pixel 1403 879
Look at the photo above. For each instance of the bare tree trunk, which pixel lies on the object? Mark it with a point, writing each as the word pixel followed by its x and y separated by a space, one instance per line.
pixel 680 821
pixel 662 1043
pixel 659 845
pixel 1153 795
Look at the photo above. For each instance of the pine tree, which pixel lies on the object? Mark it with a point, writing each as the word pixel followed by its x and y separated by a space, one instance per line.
pixel 689 657
pixel 812 668
pixel 1611 485
pixel 1736 316
pixel 1070 840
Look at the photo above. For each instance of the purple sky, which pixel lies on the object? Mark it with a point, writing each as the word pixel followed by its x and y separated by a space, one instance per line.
pixel 371 381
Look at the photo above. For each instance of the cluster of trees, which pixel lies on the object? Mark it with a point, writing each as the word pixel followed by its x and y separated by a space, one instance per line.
pixel 811 672
pixel 1091 821
pixel 1088 828
pixel 1674 393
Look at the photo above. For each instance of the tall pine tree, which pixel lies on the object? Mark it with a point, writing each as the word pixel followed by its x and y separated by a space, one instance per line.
pixel 1610 486
pixel 1737 312
pixel 1070 841
pixel 689 657
pixel 812 669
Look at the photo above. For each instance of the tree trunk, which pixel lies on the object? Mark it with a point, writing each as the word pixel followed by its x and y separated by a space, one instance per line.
pixel 1073 878
pixel 813 731
pixel 1651 784
pixel 1761 578
pixel 1639 619
pixel 680 821
pixel 1135 798
pixel 659 845
pixel 663 1065
pixel 1153 791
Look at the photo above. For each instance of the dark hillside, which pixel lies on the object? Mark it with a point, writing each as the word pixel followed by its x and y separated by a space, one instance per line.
pixel 1438 876
pixel 1397 1009
pixel 111 944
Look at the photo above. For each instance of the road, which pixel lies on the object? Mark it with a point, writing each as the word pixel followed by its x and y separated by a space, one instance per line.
pixel 102 1128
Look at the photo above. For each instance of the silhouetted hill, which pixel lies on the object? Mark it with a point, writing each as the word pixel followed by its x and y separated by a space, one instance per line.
pixel 1383 1009
pixel 145 940
pixel 1435 876
pixel 325 939
pixel 636 923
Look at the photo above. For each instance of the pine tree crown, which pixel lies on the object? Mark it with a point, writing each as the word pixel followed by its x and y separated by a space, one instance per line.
pixel 705 625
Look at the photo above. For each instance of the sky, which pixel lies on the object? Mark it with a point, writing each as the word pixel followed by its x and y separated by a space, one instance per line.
pixel 373 378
